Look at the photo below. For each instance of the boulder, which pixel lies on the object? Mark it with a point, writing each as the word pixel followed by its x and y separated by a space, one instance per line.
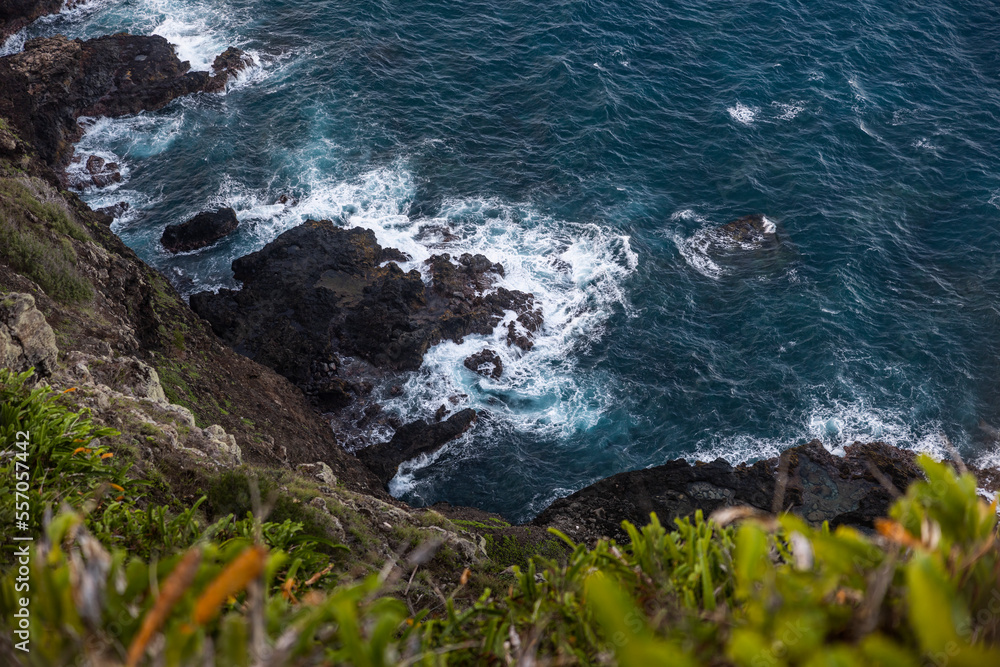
pixel 487 362
pixel 200 231
pixel 413 440
pixel 319 471
pixel 231 62
pixel 26 339
pixel 807 480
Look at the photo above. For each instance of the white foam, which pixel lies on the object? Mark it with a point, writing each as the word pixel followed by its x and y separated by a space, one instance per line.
pixel 788 111
pixel 743 114
pixel 836 425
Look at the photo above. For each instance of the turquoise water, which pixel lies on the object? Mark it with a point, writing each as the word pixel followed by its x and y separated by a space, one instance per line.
pixel 589 146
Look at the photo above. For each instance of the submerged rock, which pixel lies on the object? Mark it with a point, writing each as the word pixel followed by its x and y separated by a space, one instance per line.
pixel 806 480
pixel 412 440
pixel 202 230
pixel 755 230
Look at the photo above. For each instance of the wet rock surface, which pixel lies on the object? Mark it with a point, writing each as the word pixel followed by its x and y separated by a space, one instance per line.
pixel 55 80
pixel 750 230
pixel 486 362
pixel 16 14
pixel 807 480
pixel 200 231
pixel 413 440
pixel 319 292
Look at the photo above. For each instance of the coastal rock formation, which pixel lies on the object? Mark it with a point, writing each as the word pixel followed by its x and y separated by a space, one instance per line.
pixel 750 230
pixel 806 480
pixel 319 291
pixel 413 440
pixel 55 80
pixel 26 339
pixel 487 362
pixel 15 14
pixel 202 230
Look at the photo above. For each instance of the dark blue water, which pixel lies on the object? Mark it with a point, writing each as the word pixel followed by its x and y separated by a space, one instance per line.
pixel 589 146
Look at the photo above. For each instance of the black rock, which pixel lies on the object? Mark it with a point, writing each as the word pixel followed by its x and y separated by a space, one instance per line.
pixel 412 440
pixel 320 289
pixel 113 211
pixel 486 362
pixel 202 230
pixel 754 230
pixel 818 486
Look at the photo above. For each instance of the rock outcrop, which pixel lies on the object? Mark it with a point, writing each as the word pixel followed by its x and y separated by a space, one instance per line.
pixel 806 480
pixel 319 291
pixel 200 231
pixel 16 14
pixel 750 230
pixel 486 362
pixel 413 440
pixel 55 80
pixel 26 339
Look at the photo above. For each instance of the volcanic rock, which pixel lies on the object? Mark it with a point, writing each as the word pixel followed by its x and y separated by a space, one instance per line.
pixel 755 230
pixel 231 62
pixel 202 230
pixel 411 441
pixel 320 290
pixel 26 339
pixel 486 362
pixel 55 80
pixel 806 480
pixel 15 14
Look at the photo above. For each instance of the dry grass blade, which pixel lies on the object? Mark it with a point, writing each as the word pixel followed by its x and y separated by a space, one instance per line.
pixel 230 581
pixel 171 591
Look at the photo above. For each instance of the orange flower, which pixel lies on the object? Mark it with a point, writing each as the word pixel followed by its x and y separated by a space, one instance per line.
pixel 117 488
pixel 69 390
pixel 171 591
pixel 895 532
pixel 107 455
pixel 80 449
pixel 247 566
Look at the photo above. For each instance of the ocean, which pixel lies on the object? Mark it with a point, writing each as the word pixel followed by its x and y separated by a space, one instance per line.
pixel 591 147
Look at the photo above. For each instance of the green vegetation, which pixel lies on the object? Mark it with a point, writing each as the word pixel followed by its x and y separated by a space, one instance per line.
pixel 118 581
pixel 34 240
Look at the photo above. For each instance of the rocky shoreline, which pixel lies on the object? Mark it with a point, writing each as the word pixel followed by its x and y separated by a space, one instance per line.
pixel 324 312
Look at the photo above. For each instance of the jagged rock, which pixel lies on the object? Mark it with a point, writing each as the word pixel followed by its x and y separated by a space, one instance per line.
pixel 15 14
pixel 202 230
pixel 130 376
pixel 755 230
pixel 55 80
pixel 319 290
pixel 487 362
pixel 412 440
pixel 231 62
pixel 224 443
pixel 819 487
pixel 320 471
pixel 26 339
pixel 110 213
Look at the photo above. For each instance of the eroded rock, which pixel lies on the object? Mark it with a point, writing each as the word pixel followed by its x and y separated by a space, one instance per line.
pixel 486 362
pixel 26 339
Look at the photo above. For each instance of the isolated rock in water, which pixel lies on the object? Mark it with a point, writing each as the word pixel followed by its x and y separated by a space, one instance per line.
pixel 26 339
pixel 16 14
pixel 202 230
pixel 487 362
pixel 319 290
pixel 412 440
pixel 55 80
pixel 231 62
pixel 114 211
pixel 819 487
pixel 755 230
